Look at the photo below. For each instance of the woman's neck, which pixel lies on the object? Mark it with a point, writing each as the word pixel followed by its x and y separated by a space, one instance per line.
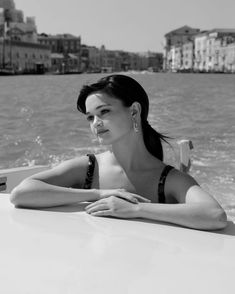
pixel 131 153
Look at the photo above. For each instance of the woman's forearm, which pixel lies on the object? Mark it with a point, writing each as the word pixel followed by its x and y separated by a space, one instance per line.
pixel 34 193
pixel 198 216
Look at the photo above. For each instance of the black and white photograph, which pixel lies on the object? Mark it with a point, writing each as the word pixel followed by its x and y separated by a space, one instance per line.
pixel 117 146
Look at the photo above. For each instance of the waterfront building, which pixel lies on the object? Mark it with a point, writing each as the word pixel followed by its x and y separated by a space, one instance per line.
pixel 84 58
pixel 136 61
pixel 173 57
pixel 19 50
pixel 200 52
pixel 178 59
pixel 94 57
pixel 24 57
pixel 67 45
pixel 227 57
pixel 126 62
pixel 110 60
pixel 220 45
pixel 177 38
pixel 187 56
pixel 230 58
pixel 155 61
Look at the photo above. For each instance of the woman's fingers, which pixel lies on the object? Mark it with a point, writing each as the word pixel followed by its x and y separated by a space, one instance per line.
pixel 143 199
pixel 99 208
pixel 96 207
pixel 129 198
pixel 134 198
pixel 102 213
pixel 101 201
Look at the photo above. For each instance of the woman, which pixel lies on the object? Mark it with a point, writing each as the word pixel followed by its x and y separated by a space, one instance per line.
pixel 130 180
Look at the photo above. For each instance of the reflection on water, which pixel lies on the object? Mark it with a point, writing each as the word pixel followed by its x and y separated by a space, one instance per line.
pixel 45 127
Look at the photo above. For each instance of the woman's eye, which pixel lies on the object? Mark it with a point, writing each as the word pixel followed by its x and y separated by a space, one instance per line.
pixel 89 118
pixel 104 111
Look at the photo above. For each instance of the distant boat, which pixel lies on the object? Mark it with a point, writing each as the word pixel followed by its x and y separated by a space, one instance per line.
pixel 7 72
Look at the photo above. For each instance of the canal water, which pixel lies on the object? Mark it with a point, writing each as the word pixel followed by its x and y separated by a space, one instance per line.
pixel 39 123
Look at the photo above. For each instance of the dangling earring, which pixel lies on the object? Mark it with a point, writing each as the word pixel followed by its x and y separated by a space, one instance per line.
pixel 135 125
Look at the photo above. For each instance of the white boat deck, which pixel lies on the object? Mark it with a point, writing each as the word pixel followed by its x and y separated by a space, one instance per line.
pixel 64 250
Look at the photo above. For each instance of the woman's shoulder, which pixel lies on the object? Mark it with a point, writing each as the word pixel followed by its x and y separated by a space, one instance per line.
pixel 178 183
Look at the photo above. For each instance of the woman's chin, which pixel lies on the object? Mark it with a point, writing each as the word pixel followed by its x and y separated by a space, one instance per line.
pixel 104 141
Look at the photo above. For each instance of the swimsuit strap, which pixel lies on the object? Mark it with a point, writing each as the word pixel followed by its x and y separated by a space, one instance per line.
pixel 90 171
pixel 161 184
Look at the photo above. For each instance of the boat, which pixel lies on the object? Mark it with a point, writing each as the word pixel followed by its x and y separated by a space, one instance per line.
pixel 65 250
pixel 7 72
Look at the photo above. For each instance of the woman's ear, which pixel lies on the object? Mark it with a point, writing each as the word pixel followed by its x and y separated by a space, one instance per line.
pixel 135 109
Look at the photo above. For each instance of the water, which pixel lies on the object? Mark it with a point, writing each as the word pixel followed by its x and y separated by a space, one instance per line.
pixel 40 124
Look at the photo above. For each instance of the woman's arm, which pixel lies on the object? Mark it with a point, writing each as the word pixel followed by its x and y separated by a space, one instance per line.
pixel 195 209
pixel 55 186
pixel 197 215
pixel 62 186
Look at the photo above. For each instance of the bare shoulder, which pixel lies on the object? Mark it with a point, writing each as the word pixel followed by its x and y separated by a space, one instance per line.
pixel 185 189
pixel 69 173
pixel 178 184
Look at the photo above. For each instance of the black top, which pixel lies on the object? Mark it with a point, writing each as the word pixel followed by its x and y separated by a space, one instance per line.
pixel 161 184
pixel 90 171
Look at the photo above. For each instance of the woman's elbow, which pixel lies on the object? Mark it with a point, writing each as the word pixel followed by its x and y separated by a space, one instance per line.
pixel 18 195
pixel 218 219
pixel 222 219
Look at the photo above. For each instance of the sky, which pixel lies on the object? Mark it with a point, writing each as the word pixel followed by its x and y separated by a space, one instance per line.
pixel 130 25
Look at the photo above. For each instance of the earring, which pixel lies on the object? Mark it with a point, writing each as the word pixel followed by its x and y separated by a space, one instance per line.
pixel 135 125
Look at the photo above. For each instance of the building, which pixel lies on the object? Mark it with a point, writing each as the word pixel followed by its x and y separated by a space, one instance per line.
pixel 220 44
pixel 19 50
pixel 178 59
pixel 155 61
pixel 187 57
pixel 13 25
pixel 7 4
pixel 94 57
pixel 24 57
pixel 177 38
pixel 24 32
pixel 67 45
pixel 110 60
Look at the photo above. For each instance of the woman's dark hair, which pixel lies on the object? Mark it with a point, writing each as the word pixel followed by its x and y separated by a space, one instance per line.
pixel 127 90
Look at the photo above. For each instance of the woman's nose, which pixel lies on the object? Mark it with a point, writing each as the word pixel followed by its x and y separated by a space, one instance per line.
pixel 97 122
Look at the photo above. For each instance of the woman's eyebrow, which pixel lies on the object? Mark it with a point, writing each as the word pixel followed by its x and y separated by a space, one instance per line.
pixel 99 106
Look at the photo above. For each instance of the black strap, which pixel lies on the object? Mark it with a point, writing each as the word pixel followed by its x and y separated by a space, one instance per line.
pixel 90 171
pixel 161 184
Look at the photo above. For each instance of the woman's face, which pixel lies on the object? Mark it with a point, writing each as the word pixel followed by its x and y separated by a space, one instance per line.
pixel 109 119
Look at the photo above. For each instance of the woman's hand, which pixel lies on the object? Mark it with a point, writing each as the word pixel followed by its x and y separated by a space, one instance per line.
pixel 113 206
pixel 123 194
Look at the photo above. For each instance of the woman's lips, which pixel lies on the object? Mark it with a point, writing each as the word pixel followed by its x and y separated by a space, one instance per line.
pixel 101 132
